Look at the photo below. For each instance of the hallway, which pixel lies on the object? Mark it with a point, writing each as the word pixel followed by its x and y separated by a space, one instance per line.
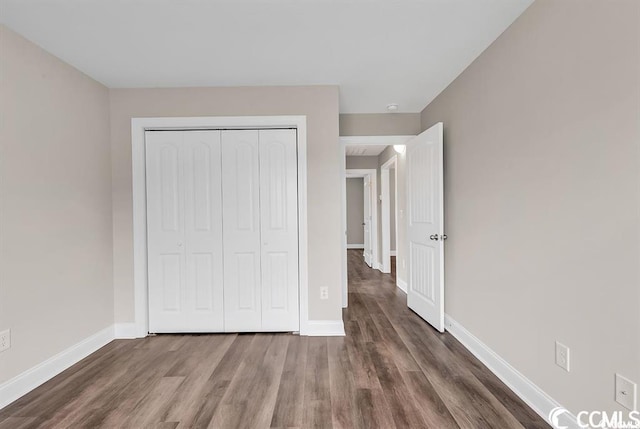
pixel 391 370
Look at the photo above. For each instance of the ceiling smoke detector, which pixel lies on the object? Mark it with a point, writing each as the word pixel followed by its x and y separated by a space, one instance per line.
pixel 393 107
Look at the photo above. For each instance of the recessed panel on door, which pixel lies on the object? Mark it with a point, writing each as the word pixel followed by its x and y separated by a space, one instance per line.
pixel 241 230
pixel 279 229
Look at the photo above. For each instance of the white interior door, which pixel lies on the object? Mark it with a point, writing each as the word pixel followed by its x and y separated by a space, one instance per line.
pixel 279 229
pixel 184 227
pixel 425 199
pixel 241 231
pixel 366 222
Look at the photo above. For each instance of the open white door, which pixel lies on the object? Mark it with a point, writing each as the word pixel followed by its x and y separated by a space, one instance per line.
pixel 425 207
pixel 366 222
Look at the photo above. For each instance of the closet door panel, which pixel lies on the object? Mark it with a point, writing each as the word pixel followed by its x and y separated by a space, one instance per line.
pixel 165 230
pixel 241 230
pixel 279 230
pixel 203 231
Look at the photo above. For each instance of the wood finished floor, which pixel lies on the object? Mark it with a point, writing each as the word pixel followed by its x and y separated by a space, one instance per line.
pixel 390 371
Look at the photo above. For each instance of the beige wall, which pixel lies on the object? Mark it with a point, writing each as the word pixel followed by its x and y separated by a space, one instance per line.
pixel 542 137
pixel 379 124
pixel 362 162
pixel 318 103
pixel 56 286
pixel 355 210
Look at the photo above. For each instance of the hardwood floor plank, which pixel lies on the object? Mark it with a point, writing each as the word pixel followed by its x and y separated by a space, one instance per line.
pixel 219 380
pixel 197 369
pixel 342 385
pixel 317 394
pixel 396 393
pixel 288 410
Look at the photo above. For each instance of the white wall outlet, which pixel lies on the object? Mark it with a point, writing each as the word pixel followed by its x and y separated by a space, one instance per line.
pixel 324 292
pixel 626 392
pixel 404 264
pixel 5 340
pixel 563 357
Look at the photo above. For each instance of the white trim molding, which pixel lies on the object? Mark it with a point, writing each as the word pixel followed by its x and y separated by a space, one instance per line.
pixel 524 388
pixel 138 128
pixel 374 140
pixel 125 330
pixel 355 141
pixel 402 285
pixel 23 383
pixel 393 253
pixel 385 210
pixel 372 175
pixel 325 328
pixel 355 246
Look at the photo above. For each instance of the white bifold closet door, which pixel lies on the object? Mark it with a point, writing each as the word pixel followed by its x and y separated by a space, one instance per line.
pixel 222 226
pixel 184 231
pixel 259 182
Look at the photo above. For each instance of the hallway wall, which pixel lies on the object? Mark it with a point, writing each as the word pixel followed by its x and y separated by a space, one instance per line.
pixel 355 211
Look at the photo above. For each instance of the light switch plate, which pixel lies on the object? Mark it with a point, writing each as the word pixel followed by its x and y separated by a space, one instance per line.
pixel 563 357
pixel 626 392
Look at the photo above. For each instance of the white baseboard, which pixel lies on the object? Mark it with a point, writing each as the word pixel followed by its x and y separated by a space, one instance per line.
pixel 355 246
pixel 393 253
pixel 126 330
pixel 402 285
pixel 325 328
pixel 23 383
pixel 531 394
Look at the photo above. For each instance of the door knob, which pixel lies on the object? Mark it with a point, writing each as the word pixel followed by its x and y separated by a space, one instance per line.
pixel 434 237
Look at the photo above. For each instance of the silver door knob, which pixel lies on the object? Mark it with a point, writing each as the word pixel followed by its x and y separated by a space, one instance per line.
pixel 434 237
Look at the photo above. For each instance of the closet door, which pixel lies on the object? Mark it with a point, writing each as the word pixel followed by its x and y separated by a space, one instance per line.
pixel 279 229
pixel 184 231
pixel 241 230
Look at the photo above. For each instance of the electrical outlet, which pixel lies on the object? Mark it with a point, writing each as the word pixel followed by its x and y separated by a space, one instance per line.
pixel 563 357
pixel 404 264
pixel 5 340
pixel 324 292
pixel 626 392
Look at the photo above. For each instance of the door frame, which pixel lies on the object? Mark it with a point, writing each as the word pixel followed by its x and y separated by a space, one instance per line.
pixel 138 164
pixel 371 174
pixel 349 141
pixel 385 211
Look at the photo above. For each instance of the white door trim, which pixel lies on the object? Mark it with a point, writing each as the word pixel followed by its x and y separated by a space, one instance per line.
pixel 374 140
pixel 372 174
pixel 359 140
pixel 385 211
pixel 138 128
